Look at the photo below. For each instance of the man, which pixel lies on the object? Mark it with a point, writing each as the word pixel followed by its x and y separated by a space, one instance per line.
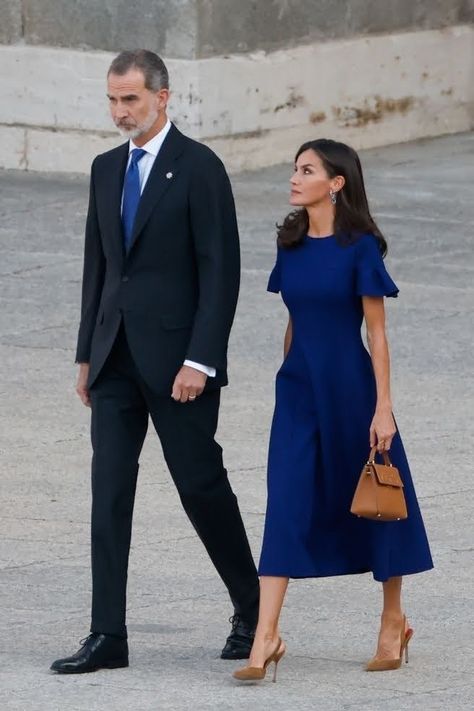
pixel 160 286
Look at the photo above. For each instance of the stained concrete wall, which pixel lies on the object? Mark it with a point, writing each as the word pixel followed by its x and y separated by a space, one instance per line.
pixel 165 26
pixel 279 24
pixel 251 79
pixel 204 28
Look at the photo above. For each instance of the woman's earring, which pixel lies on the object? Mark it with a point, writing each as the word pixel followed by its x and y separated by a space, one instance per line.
pixel 333 196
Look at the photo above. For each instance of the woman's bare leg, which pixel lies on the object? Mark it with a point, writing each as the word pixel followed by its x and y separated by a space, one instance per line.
pixel 388 646
pixel 272 595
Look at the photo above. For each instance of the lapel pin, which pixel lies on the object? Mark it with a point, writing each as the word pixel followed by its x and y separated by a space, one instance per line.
pixel 169 175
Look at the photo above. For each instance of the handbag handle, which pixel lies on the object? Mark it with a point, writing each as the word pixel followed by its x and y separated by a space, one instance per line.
pixel 384 454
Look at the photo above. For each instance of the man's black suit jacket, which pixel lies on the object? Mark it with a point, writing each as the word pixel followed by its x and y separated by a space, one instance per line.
pixel 176 289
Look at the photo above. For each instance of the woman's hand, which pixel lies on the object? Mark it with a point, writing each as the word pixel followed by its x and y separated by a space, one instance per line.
pixel 382 429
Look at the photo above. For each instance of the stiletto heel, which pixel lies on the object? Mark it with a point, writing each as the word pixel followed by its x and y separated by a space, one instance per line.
pixel 259 673
pixel 389 664
pixel 408 635
pixel 280 653
pixel 275 672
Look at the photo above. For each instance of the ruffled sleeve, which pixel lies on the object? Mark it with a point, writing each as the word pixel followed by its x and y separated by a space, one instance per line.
pixel 274 282
pixel 372 279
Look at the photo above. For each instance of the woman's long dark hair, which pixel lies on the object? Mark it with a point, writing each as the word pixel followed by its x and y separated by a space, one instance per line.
pixel 352 217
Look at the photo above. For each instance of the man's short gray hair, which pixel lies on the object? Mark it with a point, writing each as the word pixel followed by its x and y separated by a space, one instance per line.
pixel 150 64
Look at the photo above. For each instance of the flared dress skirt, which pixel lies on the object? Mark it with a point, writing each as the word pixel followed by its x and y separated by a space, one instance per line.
pixel 319 442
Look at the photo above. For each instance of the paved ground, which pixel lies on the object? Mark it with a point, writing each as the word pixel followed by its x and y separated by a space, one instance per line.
pixel 422 196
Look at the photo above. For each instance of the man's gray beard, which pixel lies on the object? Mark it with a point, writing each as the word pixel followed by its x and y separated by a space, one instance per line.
pixel 142 128
pixel 130 133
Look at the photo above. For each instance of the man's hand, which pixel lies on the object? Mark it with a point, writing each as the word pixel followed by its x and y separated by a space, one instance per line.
pixel 81 386
pixel 188 384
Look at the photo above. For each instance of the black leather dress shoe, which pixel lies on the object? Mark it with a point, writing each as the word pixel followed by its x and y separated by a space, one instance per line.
pixel 239 642
pixel 98 651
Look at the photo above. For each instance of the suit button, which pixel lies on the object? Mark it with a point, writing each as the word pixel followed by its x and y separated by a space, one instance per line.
pixel 125 278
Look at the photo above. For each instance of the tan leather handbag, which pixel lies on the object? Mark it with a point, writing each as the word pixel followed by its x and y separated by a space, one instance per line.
pixel 379 493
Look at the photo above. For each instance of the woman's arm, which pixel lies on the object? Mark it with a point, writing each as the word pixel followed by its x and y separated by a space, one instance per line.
pixel 288 337
pixel 382 428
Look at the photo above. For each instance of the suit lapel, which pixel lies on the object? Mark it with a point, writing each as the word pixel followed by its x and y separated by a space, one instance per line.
pixel 115 177
pixel 160 179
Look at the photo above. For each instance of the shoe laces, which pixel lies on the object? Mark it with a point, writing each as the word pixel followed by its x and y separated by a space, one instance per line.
pixel 234 621
pixel 84 641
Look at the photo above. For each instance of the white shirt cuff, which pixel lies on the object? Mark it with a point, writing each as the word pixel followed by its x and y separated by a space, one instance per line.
pixel 210 372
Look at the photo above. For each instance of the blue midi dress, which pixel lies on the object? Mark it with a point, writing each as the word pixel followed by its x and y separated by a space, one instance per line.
pixel 325 402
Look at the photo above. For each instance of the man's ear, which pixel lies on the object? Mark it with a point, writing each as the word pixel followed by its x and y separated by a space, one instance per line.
pixel 163 96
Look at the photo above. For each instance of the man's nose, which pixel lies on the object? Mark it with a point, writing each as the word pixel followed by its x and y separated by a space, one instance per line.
pixel 120 111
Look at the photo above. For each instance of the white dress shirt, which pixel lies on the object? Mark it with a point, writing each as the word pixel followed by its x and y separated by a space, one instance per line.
pixel 145 164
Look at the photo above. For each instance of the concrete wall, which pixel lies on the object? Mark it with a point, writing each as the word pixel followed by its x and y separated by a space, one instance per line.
pixel 367 91
pixel 277 24
pixel 164 26
pixel 253 107
pixel 189 29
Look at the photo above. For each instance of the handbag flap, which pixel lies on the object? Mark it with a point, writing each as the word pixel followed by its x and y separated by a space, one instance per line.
pixel 387 476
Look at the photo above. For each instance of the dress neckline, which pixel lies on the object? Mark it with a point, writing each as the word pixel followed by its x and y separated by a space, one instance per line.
pixel 318 239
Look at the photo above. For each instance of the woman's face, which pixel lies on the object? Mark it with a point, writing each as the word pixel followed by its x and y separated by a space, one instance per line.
pixel 310 183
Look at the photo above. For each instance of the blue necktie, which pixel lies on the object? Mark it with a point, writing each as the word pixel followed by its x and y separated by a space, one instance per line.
pixel 131 195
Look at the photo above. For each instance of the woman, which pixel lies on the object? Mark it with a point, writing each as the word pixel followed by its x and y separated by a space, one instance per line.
pixel 332 402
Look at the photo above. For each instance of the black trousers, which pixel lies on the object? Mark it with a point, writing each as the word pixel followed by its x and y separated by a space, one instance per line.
pixel 121 403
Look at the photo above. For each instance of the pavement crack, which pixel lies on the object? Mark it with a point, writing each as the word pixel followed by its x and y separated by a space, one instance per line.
pixel 24 565
pixel 57 559
pixel 445 493
pixel 25 270
pixel 36 267
pixel 36 348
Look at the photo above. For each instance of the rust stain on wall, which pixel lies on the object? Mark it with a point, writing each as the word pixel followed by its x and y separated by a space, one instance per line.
pixel 258 133
pixel 373 110
pixel 317 117
pixel 294 100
